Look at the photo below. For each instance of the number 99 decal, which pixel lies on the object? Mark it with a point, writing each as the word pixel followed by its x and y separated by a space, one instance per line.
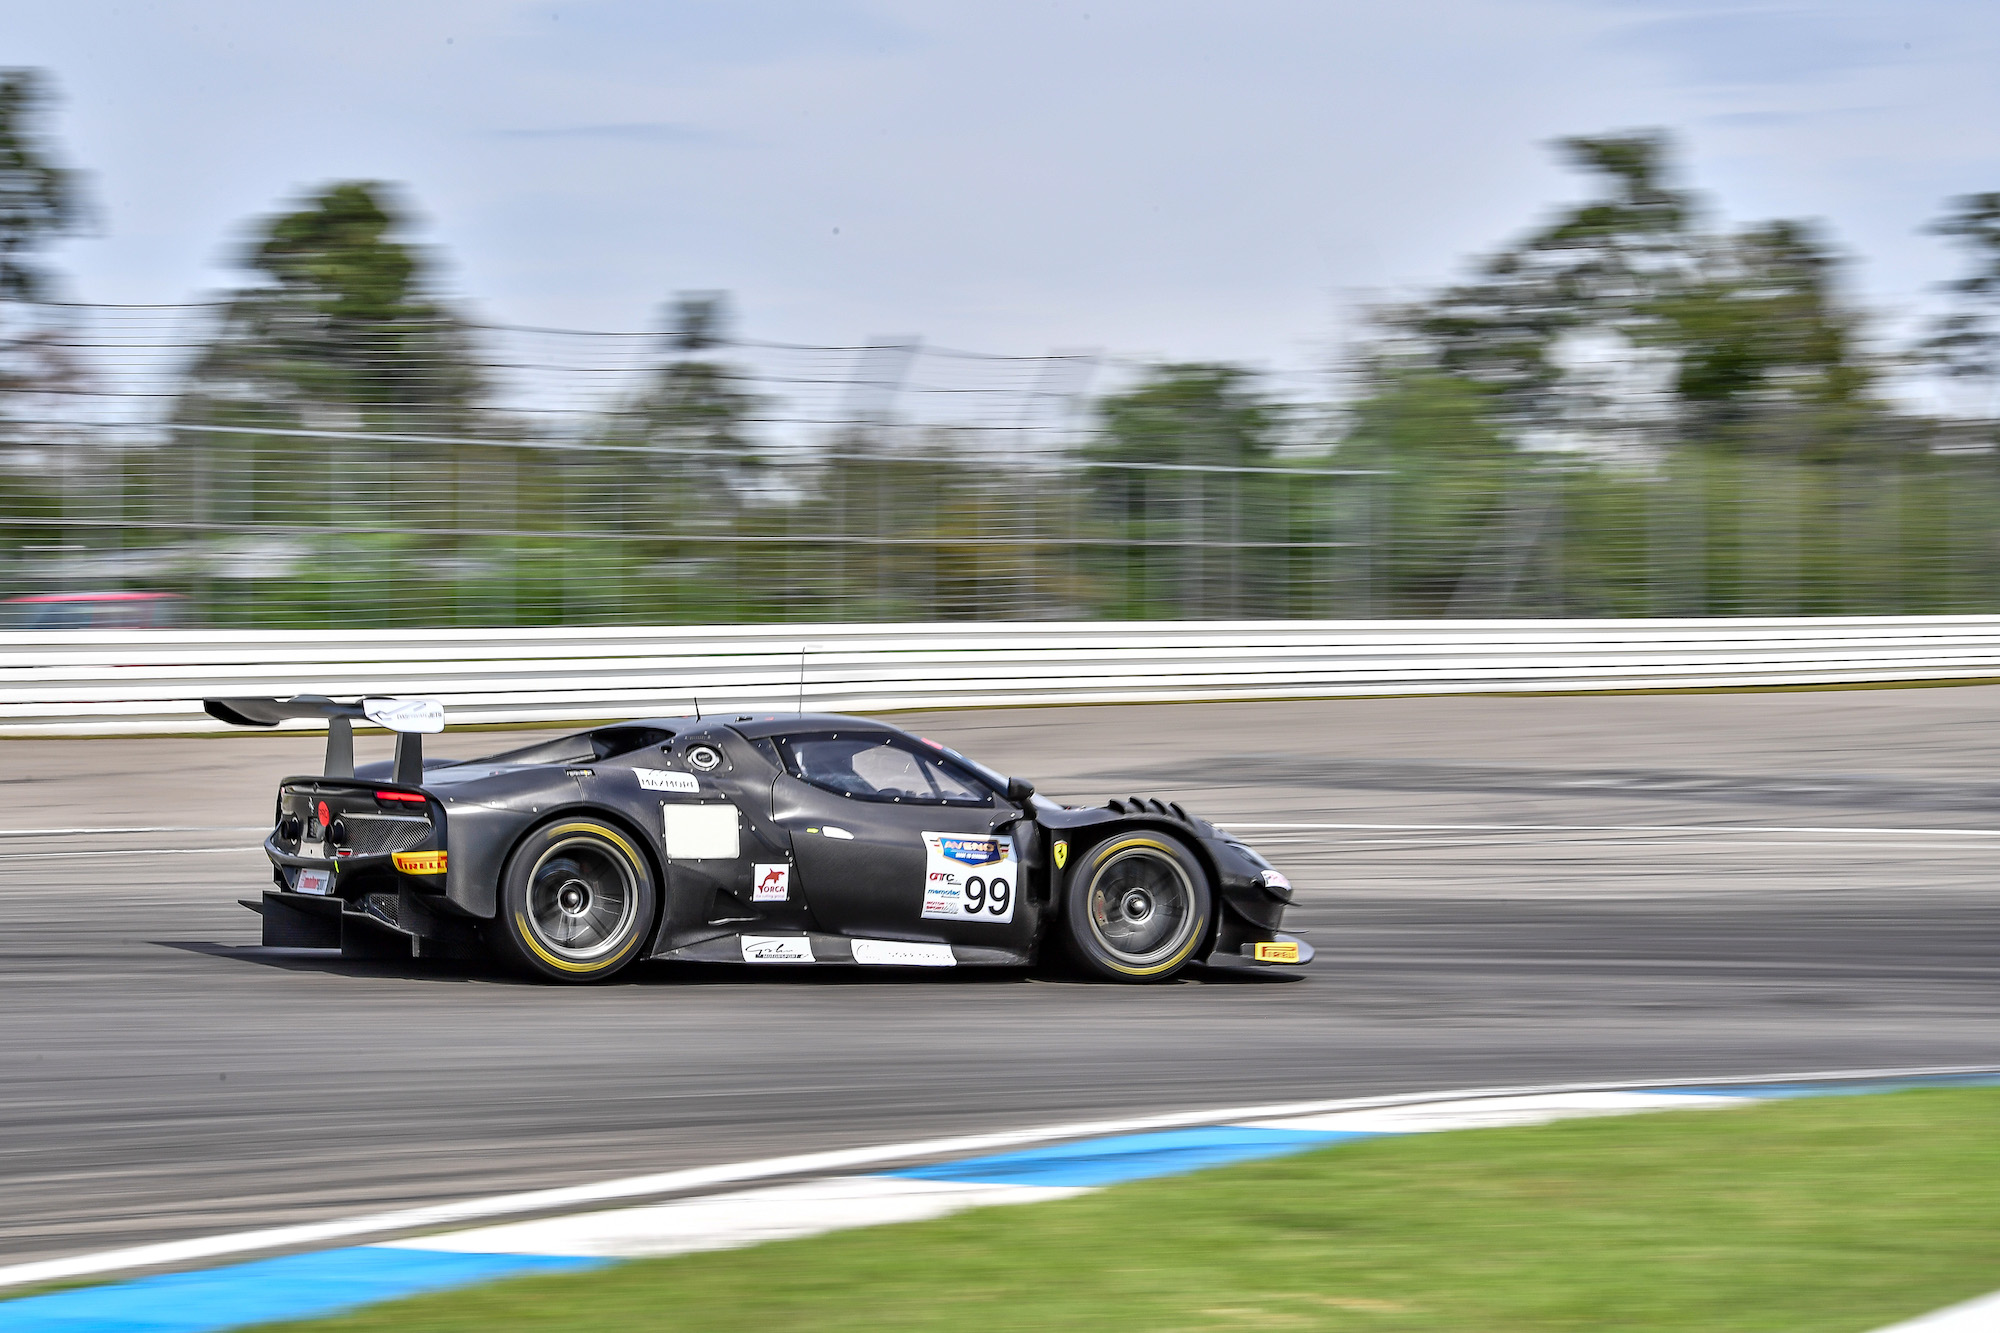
pixel 994 897
pixel 968 877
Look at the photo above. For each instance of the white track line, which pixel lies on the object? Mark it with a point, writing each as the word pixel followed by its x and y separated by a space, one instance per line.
pixel 775 1212
pixel 157 828
pixel 705 1177
pixel 122 851
pixel 1616 828
pixel 741 1217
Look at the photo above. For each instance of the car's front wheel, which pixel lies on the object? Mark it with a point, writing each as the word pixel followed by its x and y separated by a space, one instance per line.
pixel 576 901
pixel 1137 908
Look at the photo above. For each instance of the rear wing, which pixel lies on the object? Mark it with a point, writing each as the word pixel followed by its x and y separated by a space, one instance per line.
pixel 408 718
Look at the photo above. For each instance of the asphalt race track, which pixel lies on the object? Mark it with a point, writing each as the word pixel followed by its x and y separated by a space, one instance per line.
pixel 1525 889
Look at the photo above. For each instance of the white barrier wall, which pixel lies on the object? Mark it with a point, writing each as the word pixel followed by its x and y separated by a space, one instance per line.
pixel 81 682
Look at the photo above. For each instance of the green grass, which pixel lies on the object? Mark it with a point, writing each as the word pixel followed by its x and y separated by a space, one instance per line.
pixel 1843 1213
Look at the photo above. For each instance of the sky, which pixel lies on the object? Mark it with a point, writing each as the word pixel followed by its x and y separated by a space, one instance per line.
pixel 1152 178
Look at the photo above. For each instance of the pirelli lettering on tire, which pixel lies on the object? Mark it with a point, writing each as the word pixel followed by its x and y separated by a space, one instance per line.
pixel 1287 952
pixel 419 863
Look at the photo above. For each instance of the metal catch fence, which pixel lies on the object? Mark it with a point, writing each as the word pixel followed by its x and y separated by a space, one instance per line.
pixel 170 462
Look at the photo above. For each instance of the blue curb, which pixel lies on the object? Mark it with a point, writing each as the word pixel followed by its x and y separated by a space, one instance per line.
pixel 1114 1161
pixel 297 1286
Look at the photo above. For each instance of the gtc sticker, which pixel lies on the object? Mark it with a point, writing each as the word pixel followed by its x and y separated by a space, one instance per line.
pixel 665 779
pixel 315 881
pixel 968 877
pixel 419 863
pixel 1287 952
pixel 901 953
pixel 776 948
pixel 770 884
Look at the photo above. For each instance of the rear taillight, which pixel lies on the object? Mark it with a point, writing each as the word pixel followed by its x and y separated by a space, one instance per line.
pixel 399 796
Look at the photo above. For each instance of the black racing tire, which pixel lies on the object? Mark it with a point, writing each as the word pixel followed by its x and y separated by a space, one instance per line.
pixel 577 901
pixel 1137 907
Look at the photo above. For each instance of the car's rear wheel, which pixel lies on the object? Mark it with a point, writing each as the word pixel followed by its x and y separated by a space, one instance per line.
pixel 1137 908
pixel 576 901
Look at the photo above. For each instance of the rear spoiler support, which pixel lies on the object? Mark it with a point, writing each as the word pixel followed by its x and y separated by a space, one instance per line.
pixel 408 718
pixel 340 749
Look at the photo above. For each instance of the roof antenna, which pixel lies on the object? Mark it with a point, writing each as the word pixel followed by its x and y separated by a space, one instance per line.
pixel 802 678
pixel 697 708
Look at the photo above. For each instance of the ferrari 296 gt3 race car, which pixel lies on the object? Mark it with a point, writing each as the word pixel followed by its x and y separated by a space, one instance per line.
pixel 787 838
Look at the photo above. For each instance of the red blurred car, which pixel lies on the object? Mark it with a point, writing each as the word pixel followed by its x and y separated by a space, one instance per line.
pixel 94 610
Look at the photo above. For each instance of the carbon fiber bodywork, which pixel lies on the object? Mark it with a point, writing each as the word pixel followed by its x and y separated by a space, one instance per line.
pixel 746 848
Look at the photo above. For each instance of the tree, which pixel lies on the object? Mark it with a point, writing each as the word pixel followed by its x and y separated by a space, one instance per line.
pixel 1966 341
pixel 40 200
pixel 1598 264
pixel 1757 324
pixel 1195 413
pixel 1625 322
pixel 343 328
pixel 1164 481
pixel 693 402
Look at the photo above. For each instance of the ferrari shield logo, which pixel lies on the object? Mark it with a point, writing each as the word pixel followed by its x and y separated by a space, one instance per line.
pixel 1062 854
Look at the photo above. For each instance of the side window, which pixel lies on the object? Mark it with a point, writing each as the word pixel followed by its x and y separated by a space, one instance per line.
pixel 873 769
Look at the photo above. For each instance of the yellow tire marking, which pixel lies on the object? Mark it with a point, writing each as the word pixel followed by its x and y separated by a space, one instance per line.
pixel 1193 939
pixel 528 933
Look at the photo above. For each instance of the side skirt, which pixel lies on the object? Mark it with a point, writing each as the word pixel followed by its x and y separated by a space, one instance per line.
pixel 798 949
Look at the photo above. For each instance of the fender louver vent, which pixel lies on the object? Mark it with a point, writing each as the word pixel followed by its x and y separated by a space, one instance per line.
pixel 1143 805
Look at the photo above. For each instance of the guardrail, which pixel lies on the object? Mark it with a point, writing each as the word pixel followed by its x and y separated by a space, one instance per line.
pixel 131 682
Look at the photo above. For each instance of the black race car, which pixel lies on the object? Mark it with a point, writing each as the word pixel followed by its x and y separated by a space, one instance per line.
pixel 789 838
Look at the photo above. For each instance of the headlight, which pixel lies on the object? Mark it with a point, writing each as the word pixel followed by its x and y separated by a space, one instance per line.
pixel 1276 885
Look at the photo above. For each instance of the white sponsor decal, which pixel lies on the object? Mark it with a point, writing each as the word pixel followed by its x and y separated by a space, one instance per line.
pixel 702 832
pixel 969 877
pixel 770 884
pixel 315 881
pixel 776 948
pixel 831 832
pixel 666 779
pixel 405 714
pixel 900 953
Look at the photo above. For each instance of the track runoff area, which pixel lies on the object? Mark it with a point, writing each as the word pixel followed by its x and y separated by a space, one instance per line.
pixel 1663 889
pixel 1036 1166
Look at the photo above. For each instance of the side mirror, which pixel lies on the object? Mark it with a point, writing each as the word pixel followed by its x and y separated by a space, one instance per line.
pixel 1019 789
